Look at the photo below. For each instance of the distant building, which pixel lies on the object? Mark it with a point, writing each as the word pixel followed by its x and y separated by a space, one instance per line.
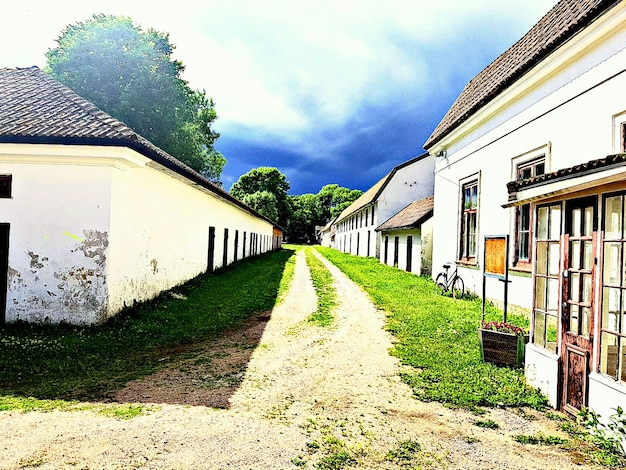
pixel 356 225
pixel 407 237
pixel 93 217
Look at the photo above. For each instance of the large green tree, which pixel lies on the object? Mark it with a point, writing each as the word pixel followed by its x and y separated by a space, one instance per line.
pixel 257 187
pixel 130 74
pixel 306 213
pixel 334 199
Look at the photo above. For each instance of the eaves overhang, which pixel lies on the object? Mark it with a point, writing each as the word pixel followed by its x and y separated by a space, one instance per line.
pixel 592 174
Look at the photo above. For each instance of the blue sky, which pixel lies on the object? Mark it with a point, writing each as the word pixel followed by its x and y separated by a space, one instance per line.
pixel 326 91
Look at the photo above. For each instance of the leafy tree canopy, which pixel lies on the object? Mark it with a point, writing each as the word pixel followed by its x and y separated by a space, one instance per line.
pixel 263 202
pixel 334 199
pixel 306 213
pixel 130 74
pixel 258 184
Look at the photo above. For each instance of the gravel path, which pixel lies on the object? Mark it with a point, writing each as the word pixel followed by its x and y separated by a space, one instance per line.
pixel 280 393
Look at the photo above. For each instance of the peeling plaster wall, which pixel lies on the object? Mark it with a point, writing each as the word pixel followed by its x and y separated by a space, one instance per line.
pixel 160 230
pixel 58 246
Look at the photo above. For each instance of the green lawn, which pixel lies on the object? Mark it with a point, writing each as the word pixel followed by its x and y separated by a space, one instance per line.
pixel 437 336
pixel 65 362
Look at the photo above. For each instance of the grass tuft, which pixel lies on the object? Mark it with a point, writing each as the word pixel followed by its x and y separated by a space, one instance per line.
pixel 325 290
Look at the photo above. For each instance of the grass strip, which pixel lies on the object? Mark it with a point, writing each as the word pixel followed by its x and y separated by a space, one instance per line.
pixel 437 336
pixel 84 363
pixel 325 290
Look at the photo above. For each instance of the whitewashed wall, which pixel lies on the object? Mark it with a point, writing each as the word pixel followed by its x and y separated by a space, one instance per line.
pixel 572 122
pixel 93 229
pixel 416 249
pixel 160 233
pixel 59 227
pixel 409 183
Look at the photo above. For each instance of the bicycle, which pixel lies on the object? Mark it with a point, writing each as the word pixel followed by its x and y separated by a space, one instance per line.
pixel 452 283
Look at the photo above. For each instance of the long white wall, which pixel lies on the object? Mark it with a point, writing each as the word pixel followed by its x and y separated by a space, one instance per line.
pixel 59 228
pixel 160 234
pixel 94 229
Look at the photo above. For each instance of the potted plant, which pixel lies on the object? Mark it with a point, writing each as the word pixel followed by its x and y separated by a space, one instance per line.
pixel 502 343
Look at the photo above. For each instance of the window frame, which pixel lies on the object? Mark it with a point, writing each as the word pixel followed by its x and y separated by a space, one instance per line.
pixel 529 168
pixel 619 333
pixel 552 239
pixel 465 219
pixel 619 132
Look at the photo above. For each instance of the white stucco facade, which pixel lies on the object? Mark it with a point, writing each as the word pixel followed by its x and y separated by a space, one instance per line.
pixel 94 229
pixel 356 226
pixel 567 113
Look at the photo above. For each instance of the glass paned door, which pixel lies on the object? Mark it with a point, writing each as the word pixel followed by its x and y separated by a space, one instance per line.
pixel 547 271
pixel 613 318
pixel 578 296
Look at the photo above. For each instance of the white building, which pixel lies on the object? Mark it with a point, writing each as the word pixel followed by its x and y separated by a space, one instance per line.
pixel 548 117
pixel 407 238
pixel 93 217
pixel 356 225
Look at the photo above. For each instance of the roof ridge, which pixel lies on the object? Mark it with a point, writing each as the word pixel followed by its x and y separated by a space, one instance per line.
pixel 559 24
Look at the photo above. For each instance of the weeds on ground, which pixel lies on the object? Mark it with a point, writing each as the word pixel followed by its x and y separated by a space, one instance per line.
pixel 84 363
pixel 487 424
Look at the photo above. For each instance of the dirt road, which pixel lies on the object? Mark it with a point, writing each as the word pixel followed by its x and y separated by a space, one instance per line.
pixel 280 393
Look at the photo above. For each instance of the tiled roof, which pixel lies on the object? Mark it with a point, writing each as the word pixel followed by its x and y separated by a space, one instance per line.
pixel 35 108
pixel 561 23
pixel 372 193
pixel 411 216
pixel 582 169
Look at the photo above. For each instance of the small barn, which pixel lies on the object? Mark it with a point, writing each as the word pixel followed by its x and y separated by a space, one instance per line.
pixel 407 237
pixel 93 217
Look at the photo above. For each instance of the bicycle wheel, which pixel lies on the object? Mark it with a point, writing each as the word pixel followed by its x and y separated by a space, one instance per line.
pixel 458 288
pixel 440 284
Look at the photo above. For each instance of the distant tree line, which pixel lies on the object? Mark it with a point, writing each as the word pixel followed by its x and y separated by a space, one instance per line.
pixel 265 190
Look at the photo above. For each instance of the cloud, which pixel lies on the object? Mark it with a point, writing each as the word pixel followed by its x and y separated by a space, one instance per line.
pixel 327 91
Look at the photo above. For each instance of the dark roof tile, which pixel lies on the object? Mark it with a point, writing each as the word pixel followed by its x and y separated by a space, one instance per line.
pixel 35 108
pixel 560 24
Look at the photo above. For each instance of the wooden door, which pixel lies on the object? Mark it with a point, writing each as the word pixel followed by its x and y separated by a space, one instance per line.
pixel 211 250
pixel 578 301
pixel 4 269
pixel 409 253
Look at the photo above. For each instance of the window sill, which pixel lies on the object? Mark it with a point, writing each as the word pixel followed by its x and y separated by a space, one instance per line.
pixel 467 263
pixel 521 271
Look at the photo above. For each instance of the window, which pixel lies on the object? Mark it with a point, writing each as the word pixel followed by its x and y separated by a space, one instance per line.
pixel 5 186
pixel 469 221
pixel 532 168
pixel 547 260
pixel 523 215
pixel 613 321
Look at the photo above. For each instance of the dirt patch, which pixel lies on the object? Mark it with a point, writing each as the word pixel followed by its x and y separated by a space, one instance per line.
pixel 282 393
pixel 203 374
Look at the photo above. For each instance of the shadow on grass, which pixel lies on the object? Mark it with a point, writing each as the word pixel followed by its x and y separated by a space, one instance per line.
pixel 200 335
